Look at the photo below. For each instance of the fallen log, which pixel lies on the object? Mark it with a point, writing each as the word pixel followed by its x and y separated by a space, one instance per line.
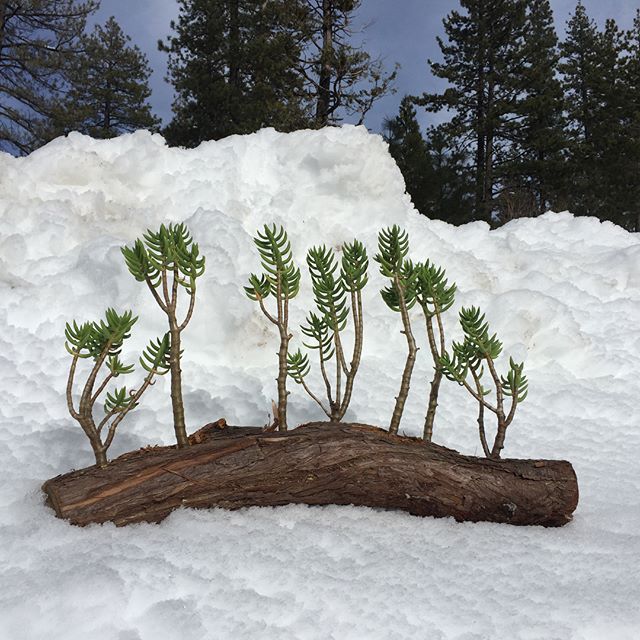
pixel 316 464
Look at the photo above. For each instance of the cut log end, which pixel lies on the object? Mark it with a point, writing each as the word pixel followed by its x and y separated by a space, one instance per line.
pixel 316 464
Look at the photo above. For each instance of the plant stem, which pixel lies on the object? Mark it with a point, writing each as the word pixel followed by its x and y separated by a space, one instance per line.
pixel 435 383
pixel 176 384
pixel 483 437
pixel 411 358
pixel 356 308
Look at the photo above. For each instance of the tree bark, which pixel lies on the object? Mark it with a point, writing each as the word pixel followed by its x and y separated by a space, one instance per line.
pixel 326 62
pixel 315 464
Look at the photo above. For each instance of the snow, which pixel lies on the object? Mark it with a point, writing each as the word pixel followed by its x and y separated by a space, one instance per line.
pixel 562 292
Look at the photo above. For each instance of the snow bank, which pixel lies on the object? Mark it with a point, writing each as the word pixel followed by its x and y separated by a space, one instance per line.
pixel 562 292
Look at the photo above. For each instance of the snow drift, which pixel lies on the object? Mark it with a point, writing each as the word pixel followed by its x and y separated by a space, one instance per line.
pixel 562 292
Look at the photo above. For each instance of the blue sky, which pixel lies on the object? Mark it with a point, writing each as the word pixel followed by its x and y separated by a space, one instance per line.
pixel 402 31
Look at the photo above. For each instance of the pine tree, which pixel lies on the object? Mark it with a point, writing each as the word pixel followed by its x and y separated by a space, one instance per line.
pixel 409 149
pixel 37 38
pixel 630 114
pixel 482 57
pixel 233 64
pixel 342 79
pixel 452 195
pixel 539 140
pixel 108 86
pixel 592 70
pixel 435 174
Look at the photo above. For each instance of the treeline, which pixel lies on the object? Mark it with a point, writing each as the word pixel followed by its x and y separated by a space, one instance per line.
pixel 56 77
pixel 236 66
pixel 536 124
pixel 530 123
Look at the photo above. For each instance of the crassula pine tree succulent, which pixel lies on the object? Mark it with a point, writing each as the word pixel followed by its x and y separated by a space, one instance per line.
pixel 101 342
pixel 168 260
pixel 280 280
pixel 336 294
pixel 434 296
pixel 399 296
pixel 466 366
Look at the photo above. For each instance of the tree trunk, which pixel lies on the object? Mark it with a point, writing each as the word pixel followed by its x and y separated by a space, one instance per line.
pixel 326 57
pixel 315 464
pixel 234 64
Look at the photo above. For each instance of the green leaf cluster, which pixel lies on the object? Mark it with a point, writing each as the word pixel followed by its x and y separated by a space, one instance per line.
pixel 119 401
pixel 277 260
pixel 354 265
pixel 393 245
pixel 171 248
pixel 478 346
pixel 91 339
pixel 330 294
pixel 515 384
pixel 317 329
pixel 116 367
pixel 155 358
pixel 298 366
pixel 477 340
pixel 431 289
pixel 407 276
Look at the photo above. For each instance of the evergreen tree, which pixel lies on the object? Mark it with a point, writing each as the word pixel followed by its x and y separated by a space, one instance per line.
pixel 482 57
pixel 234 67
pixel 452 196
pixel 535 171
pixel 409 149
pixel 630 115
pixel 435 176
pixel 592 69
pixel 108 86
pixel 342 79
pixel 37 38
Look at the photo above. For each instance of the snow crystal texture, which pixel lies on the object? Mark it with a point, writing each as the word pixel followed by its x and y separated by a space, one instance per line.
pixel 562 292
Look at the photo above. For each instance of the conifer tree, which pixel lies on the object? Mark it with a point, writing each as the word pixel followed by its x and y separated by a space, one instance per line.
pixel 342 79
pixel 37 39
pixel 409 149
pixel 109 88
pixel 435 175
pixel 539 139
pixel 592 81
pixel 481 59
pixel 452 195
pixel 629 148
pixel 234 68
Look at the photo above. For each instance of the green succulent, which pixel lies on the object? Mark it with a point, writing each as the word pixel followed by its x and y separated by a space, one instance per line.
pixel 354 265
pixel 431 290
pixel 393 245
pixel 277 261
pixel 90 339
pixel 298 366
pixel 155 358
pixel 171 248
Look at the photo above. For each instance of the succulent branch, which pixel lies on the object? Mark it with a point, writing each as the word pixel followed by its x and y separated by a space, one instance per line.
pixel 335 294
pixel 102 342
pixel 478 349
pixel 400 296
pixel 167 260
pixel 281 279
pixel 434 296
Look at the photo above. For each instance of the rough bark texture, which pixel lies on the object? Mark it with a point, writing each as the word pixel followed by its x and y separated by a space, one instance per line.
pixel 317 464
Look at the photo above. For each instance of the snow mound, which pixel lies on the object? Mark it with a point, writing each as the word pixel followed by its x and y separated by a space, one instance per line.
pixel 562 292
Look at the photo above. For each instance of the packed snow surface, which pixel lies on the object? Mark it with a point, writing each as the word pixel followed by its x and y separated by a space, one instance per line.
pixel 562 292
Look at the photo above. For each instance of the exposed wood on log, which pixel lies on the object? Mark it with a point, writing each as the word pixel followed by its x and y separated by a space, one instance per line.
pixel 316 464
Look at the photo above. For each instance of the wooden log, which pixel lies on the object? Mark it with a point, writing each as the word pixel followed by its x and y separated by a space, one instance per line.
pixel 316 464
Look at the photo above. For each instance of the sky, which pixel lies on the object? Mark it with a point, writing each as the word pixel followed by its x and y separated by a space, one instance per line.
pixel 399 31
